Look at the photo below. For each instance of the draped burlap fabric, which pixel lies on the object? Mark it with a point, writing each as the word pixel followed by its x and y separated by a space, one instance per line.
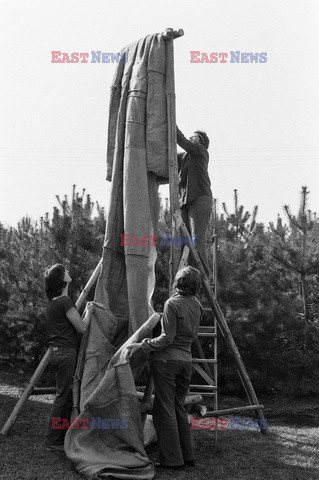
pixel 111 443
pixel 137 159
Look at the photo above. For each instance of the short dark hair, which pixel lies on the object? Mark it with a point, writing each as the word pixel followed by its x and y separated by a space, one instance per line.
pixel 188 281
pixel 204 137
pixel 54 280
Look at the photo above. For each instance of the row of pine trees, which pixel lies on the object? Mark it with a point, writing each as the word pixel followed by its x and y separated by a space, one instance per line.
pixel 268 286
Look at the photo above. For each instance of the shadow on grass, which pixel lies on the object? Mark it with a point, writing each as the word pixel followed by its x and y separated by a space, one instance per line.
pixel 297 420
pixel 285 453
pixel 249 455
pixel 23 455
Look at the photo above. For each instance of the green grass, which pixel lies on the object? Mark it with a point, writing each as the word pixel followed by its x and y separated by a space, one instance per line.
pixel 289 452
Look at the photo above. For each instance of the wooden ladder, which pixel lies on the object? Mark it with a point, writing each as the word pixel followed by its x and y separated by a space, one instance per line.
pixel 178 259
pixel 211 331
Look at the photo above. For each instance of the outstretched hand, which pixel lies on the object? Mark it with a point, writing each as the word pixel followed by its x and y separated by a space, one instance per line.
pixel 89 308
pixel 133 348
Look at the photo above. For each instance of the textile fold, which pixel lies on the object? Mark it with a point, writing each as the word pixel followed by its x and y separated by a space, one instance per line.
pixel 137 160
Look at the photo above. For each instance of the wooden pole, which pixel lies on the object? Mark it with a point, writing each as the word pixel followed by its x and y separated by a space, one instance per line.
pixel 222 324
pixel 215 322
pixel 227 411
pixel 175 251
pixel 76 389
pixel 88 286
pixel 27 392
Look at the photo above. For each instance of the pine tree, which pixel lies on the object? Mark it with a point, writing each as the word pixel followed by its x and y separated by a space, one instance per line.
pixel 73 237
pixel 296 247
pixel 236 222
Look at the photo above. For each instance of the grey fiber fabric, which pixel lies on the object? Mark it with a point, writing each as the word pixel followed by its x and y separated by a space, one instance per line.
pixel 137 159
pixel 107 441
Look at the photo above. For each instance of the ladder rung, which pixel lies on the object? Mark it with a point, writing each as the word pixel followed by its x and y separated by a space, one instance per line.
pixel 213 393
pixel 204 360
pixel 203 334
pixel 206 331
pixel 207 310
pixel 206 328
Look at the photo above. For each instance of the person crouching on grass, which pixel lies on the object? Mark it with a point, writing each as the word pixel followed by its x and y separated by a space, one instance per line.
pixel 64 324
pixel 172 369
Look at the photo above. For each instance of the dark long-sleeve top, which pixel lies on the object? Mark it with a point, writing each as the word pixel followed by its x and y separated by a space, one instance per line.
pixel 180 324
pixel 193 170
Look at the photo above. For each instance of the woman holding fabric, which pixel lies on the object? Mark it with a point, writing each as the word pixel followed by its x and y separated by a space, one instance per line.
pixel 172 369
pixel 64 324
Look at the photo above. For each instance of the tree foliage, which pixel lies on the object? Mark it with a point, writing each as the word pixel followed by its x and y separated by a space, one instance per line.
pixel 261 299
pixel 297 247
pixel 73 237
pixel 259 276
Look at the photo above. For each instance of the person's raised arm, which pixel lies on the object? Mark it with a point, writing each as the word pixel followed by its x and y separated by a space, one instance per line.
pixel 187 145
pixel 81 324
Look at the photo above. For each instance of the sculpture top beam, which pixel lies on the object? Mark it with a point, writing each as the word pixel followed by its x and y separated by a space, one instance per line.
pixel 169 33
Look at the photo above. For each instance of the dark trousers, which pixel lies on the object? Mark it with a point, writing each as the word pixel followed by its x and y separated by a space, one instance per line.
pixel 63 361
pixel 174 438
pixel 196 215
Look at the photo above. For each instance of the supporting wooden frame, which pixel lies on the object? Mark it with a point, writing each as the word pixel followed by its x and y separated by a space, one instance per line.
pixel 178 226
pixel 175 252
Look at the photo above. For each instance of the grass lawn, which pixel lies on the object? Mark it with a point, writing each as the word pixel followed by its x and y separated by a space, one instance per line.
pixel 290 451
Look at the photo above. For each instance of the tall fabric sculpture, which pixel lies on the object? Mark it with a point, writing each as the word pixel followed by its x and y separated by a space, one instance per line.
pixel 137 160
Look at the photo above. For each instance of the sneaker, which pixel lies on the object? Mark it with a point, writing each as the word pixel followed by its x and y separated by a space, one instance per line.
pixel 55 448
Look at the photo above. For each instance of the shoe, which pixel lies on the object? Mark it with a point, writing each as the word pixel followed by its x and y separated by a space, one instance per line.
pixel 172 467
pixel 55 448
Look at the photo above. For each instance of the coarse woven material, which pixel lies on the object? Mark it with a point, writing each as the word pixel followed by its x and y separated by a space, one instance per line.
pixel 136 162
pixel 138 111
pixel 102 452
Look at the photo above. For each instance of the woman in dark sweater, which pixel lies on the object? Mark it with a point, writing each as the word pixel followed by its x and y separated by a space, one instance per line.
pixel 64 324
pixel 172 369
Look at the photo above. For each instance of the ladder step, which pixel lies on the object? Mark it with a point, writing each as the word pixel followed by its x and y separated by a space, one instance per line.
pixel 204 360
pixel 212 393
pixel 207 329
pixel 203 334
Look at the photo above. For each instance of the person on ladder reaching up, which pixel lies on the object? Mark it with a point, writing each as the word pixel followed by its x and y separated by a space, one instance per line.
pixel 195 195
pixel 64 324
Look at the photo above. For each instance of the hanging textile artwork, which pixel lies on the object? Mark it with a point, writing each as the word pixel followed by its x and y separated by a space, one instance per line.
pixel 137 161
